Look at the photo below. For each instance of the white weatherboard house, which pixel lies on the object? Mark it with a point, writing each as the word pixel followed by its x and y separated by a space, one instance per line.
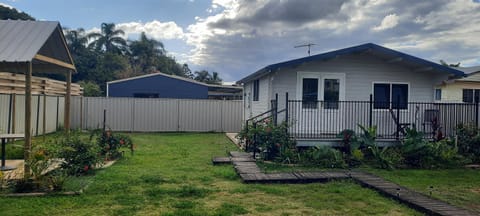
pixel 330 92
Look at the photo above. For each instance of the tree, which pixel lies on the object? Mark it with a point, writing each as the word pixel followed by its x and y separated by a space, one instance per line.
pixel 76 40
pixel 449 65
pixel 109 39
pixel 187 72
pixel 90 89
pixel 206 77
pixel 215 79
pixel 146 52
pixel 12 13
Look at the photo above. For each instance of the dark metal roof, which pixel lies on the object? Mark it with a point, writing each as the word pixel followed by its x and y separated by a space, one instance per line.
pixel 373 49
pixel 21 41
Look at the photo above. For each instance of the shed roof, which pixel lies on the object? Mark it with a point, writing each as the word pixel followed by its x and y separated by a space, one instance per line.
pixel 469 70
pixel 39 42
pixel 174 77
pixel 389 55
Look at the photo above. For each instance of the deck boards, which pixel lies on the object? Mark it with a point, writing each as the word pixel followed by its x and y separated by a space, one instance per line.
pixel 246 167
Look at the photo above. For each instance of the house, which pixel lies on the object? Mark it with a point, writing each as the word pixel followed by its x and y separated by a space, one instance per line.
pixel 462 89
pixel 160 85
pixel 321 95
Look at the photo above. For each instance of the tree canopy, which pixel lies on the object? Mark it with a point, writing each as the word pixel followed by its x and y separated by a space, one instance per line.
pixel 13 14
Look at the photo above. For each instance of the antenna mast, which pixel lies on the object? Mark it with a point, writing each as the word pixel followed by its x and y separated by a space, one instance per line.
pixel 306 45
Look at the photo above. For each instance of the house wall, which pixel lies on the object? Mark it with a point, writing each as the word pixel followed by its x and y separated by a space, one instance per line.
pixel 453 92
pixel 253 108
pixel 360 72
pixel 165 87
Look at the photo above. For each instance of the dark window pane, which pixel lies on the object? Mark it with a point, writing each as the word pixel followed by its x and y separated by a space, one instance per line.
pixel 256 86
pixel 310 93
pixel 399 96
pixel 438 94
pixel 331 93
pixel 468 95
pixel 381 96
pixel 477 96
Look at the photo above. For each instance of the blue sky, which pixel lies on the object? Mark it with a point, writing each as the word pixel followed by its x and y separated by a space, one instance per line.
pixel 238 37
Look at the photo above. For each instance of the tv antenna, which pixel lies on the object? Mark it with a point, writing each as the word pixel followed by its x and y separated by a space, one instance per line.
pixel 306 45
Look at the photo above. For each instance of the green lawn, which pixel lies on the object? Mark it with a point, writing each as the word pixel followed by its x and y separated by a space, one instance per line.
pixel 460 187
pixel 172 174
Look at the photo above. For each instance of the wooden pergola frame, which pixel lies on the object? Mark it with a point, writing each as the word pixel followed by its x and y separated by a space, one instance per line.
pixel 49 62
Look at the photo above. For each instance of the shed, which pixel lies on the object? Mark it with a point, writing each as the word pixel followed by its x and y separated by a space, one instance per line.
pixel 35 47
pixel 160 85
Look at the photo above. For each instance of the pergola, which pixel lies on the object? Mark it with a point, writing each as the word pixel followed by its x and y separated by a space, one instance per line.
pixel 35 47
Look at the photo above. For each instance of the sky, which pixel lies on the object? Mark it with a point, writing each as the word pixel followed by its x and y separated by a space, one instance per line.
pixel 238 37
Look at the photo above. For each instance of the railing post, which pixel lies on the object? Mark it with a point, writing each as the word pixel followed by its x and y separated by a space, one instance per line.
pixel 275 112
pixel 476 114
pixel 398 117
pixel 286 107
pixel 255 140
pixel 370 112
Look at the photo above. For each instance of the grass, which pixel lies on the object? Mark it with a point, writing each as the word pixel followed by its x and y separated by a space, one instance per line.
pixel 460 187
pixel 172 174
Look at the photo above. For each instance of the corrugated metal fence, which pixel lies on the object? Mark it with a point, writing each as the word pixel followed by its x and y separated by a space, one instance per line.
pixel 12 113
pixel 152 115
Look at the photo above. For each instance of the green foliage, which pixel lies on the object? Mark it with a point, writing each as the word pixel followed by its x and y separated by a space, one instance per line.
pixel 272 141
pixel 56 179
pixel 468 141
pixel 350 144
pixel 111 144
pixel 323 156
pixel 90 89
pixel 368 136
pixel 79 155
pixel 13 14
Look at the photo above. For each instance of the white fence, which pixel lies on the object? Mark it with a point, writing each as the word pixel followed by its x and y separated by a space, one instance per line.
pixel 12 113
pixel 155 115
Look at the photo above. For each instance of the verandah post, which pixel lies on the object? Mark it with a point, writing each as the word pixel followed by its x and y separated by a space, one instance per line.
pixel 286 107
pixel 275 117
pixel 254 139
pixel 476 113
pixel 370 111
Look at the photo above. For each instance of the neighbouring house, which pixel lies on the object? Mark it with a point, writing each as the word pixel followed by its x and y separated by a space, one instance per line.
pixel 160 85
pixel 462 89
pixel 321 95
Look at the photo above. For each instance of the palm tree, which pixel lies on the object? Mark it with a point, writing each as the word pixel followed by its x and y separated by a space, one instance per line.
pixel 109 39
pixel 145 52
pixel 76 40
pixel 202 76
pixel 215 79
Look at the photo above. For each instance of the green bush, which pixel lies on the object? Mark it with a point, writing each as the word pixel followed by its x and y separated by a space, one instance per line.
pixel 80 155
pixel 469 141
pixel 272 141
pixel 323 156
pixel 111 144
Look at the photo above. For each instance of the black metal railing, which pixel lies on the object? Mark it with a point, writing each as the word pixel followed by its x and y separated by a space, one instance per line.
pixel 326 119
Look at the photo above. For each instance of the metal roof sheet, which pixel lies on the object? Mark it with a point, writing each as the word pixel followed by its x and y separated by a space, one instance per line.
pixel 20 41
pixel 375 49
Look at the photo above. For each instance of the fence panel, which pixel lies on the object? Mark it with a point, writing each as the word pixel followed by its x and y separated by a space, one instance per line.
pixel 151 115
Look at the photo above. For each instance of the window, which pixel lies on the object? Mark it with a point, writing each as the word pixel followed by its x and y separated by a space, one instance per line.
pixel 471 95
pixel 390 96
pixel 256 86
pixel 438 94
pixel 331 94
pixel 309 93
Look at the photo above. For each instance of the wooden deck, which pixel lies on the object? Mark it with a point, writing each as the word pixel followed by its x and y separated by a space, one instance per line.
pixel 248 170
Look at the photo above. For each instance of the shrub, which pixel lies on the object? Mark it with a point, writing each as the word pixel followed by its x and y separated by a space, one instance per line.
pixel 351 145
pixel 468 141
pixel 111 144
pixel 323 156
pixel 272 141
pixel 79 155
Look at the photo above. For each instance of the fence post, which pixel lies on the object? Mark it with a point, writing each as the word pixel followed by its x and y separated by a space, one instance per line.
pixel 370 112
pixel 275 117
pixel 104 119
pixel 254 140
pixel 9 114
pixel 56 121
pixel 476 114
pixel 38 114
pixel 398 118
pixel 286 107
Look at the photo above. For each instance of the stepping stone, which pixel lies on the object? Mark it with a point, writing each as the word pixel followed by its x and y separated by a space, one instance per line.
pixel 221 160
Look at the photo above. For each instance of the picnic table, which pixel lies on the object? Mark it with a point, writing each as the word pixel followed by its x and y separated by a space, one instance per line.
pixel 4 138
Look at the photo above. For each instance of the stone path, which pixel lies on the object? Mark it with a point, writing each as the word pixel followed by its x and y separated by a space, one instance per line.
pixel 248 170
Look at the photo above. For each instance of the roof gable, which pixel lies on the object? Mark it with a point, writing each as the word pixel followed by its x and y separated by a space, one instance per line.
pixel 39 42
pixel 389 55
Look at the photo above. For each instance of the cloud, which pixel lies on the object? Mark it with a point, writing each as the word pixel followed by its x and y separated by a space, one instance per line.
pixel 155 29
pixel 388 22
pixel 240 36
